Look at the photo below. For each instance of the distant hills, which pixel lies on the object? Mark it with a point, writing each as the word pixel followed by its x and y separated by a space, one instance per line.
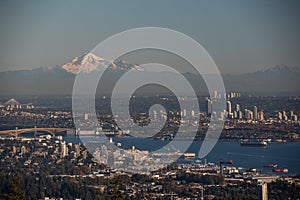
pixel 279 80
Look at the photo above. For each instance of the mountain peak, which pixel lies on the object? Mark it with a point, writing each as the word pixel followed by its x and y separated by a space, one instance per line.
pixel 86 63
pixel 89 62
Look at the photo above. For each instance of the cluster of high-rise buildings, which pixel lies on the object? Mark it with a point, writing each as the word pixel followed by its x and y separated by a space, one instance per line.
pixel 69 150
pixel 230 95
pixel 217 96
pixel 236 113
pixel 285 117
pixel 247 114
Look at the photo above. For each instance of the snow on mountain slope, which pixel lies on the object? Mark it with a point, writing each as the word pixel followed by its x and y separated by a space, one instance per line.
pixel 89 62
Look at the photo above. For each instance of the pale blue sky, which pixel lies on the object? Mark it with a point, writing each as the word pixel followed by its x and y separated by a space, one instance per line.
pixel 241 36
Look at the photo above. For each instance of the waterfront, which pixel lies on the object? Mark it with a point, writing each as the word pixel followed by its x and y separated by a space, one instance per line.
pixel 285 155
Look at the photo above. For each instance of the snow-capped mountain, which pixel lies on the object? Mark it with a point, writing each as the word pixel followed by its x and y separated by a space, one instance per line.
pixel 89 62
pixel 60 80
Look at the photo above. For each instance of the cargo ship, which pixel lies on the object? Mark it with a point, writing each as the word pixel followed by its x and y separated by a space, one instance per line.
pixel 189 155
pixel 254 143
pixel 280 170
pixel 270 165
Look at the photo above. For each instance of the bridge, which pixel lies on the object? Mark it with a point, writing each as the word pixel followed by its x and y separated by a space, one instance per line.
pixel 16 132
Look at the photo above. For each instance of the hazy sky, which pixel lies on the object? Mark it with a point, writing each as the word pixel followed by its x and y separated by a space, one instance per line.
pixel 241 36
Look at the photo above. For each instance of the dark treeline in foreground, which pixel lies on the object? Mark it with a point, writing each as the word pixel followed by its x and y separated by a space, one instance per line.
pixel 22 186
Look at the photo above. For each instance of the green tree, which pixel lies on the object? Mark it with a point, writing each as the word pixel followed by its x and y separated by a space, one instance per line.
pixel 15 191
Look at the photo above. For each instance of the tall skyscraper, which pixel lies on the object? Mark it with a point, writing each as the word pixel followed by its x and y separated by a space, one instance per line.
pixel 255 114
pixel 193 113
pixel 261 115
pixel 208 107
pixel 237 108
pixel 295 118
pixel 240 115
pixel 216 94
pixel 86 116
pixel 229 108
pixel 284 116
pixel 235 114
pixel 63 150
pixel 279 115
pixel 154 114
pixel 248 114
pixel 184 112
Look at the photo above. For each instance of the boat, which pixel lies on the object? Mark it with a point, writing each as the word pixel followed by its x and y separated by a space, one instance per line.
pixel 189 155
pixel 255 143
pixel 270 165
pixel 280 170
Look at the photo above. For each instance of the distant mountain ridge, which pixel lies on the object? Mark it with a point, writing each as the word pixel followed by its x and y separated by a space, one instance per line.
pixel 277 80
pixel 283 68
pixel 59 80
